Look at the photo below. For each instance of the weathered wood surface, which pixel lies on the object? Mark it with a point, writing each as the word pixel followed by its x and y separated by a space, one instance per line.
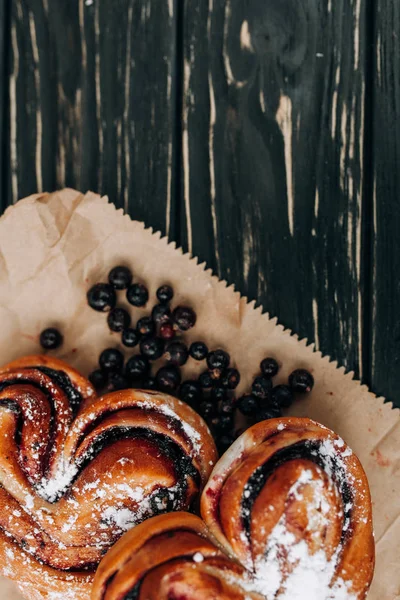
pixel 385 280
pixel 273 158
pixel 92 101
pixel 3 89
pixel 247 131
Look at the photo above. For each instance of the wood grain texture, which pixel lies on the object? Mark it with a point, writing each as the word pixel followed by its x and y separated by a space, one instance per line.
pixel 4 46
pixel 385 314
pixel 92 101
pixel 272 158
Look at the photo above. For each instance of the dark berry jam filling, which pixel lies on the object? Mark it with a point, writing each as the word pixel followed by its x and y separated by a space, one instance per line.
pixel 65 383
pixel 13 405
pixel 173 424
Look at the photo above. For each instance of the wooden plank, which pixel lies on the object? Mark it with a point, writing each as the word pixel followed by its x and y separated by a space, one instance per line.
pixel 4 26
pixel 92 101
pixel 385 355
pixel 272 158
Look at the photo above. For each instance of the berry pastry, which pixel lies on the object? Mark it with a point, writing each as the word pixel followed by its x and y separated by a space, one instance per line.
pixel 286 516
pixel 291 502
pixel 77 471
pixel 170 557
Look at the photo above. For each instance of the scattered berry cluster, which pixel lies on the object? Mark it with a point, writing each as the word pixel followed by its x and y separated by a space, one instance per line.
pixel 156 336
pixel 266 401
pixel 160 335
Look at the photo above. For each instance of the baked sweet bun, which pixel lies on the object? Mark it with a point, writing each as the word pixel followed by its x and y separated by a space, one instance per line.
pixel 170 557
pixel 291 502
pixel 77 471
pixel 286 515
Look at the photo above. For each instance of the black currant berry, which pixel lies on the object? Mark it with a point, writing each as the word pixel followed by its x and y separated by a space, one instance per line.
pixel 227 407
pixel 137 294
pixel 51 338
pixel 130 337
pixel 177 353
pixel 120 277
pixel 150 383
pixel 145 326
pixel 184 317
pixel 152 347
pixel 218 359
pixel 218 393
pixel 216 375
pixel 165 294
pixel 269 367
pixel 205 380
pixel 230 379
pixel 117 381
pixel 225 422
pixel 222 423
pixel 136 367
pixel 198 350
pixel 207 409
pixel 167 331
pixel 268 412
pixel 118 319
pixel 111 359
pixel 261 387
pixel 161 313
pixel 248 405
pixel 190 392
pixel 98 379
pixel 102 297
pixel 301 381
pixel 281 395
pixel 168 378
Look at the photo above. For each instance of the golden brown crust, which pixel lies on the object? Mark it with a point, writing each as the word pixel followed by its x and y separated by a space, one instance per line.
pixel 188 427
pixel 287 506
pixel 169 556
pixel 295 477
pixel 42 360
pixel 70 485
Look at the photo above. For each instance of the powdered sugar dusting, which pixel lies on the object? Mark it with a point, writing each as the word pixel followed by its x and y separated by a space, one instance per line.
pixel 287 568
pixel 198 557
pixel 29 501
pixel 122 517
pixel 68 525
pixel 303 576
pixel 50 489
pixel 332 452
pixel 309 579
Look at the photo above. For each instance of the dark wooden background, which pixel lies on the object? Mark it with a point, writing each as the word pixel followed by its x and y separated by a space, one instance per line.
pixel 261 135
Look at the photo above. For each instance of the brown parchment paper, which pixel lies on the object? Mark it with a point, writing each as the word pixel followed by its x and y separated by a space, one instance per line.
pixel 54 247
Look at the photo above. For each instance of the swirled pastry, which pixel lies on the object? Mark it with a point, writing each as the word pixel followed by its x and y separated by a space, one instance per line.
pixel 77 471
pixel 286 515
pixel 170 557
pixel 291 501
